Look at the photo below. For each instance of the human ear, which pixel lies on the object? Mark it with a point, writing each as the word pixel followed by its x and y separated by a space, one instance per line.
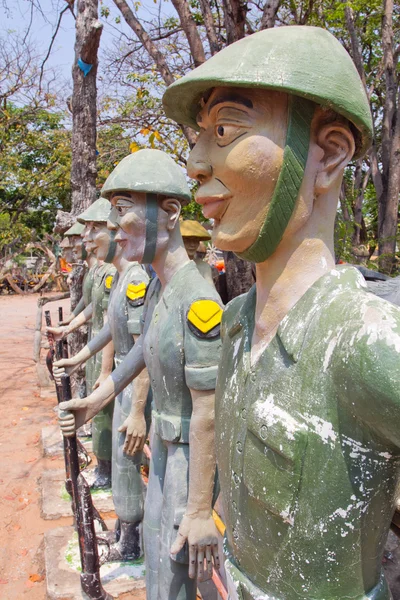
pixel 338 146
pixel 172 207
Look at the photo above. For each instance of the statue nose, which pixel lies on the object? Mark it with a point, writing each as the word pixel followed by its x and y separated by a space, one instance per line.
pixel 199 170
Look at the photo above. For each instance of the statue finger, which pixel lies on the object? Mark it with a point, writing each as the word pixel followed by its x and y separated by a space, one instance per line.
pixel 138 443
pixel 192 560
pixel 178 544
pixel 200 563
pixel 215 553
pixel 130 444
pixel 208 559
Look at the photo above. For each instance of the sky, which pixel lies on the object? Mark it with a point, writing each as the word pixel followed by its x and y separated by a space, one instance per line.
pixel 15 16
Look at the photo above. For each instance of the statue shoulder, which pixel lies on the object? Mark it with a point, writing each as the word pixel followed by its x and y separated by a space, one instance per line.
pixel 232 313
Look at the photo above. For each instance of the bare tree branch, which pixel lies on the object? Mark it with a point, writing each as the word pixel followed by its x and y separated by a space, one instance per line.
pixel 235 19
pixel 155 54
pixel 190 28
pixel 269 14
pixel 210 26
pixel 53 37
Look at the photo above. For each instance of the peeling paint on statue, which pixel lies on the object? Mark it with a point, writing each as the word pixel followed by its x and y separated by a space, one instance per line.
pixel 310 360
pixel 181 347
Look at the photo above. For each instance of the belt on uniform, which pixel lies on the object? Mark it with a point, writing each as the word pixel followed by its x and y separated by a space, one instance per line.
pixel 171 428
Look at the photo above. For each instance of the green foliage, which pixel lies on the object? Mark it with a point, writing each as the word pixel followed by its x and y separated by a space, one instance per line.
pixel 13 235
pixel 35 159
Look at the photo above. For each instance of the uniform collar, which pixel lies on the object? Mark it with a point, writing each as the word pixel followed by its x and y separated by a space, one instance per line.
pixel 174 285
pixel 293 328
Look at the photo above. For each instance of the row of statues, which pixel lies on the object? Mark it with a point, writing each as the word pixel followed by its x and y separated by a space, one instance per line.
pixel 292 389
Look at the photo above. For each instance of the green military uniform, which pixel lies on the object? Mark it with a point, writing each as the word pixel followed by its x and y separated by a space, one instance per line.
pixel 307 440
pixel 100 287
pixel 102 422
pixel 309 463
pixel 87 287
pixel 124 317
pixel 181 349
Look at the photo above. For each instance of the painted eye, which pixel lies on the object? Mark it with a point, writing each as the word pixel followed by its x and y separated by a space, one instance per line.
pixel 225 134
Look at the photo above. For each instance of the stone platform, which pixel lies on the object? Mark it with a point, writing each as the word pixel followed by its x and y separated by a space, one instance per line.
pixel 56 502
pixel 52 443
pixel 63 570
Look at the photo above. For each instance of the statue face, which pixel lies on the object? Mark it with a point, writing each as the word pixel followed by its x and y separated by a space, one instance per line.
pixel 97 239
pixel 237 160
pixel 191 245
pixel 129 216
pixel 67 248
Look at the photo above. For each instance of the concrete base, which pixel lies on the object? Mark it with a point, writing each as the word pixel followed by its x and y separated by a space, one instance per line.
pixel 52 443
pixel 63 564
pixel 56 501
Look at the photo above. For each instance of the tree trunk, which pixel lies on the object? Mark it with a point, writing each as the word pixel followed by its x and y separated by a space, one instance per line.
pixel 84 106
pixel 210 26
pixel 84 117
pixel 269 14
pixel 239 275
pixel 360 184
pixel 389 201
pixel 192 34
pixel 235 19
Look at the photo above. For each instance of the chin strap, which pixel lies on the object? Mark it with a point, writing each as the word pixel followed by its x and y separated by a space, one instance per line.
pixel 84 253
pixel 111 248
pixel 287 187
pixel 151 229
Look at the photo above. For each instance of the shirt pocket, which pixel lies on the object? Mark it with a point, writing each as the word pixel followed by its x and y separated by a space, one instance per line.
pixel 273 456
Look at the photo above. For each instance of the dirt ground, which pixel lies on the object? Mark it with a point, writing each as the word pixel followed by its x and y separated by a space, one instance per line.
pixel 23 414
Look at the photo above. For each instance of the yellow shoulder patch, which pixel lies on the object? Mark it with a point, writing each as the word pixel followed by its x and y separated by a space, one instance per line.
pixel 205 315
pixel 134 292
pixel 108 282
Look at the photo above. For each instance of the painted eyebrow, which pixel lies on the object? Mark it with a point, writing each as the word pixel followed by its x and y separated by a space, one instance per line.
pixel 235 98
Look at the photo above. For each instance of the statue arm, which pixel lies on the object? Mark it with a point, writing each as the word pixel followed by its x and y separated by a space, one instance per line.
pixel 370 384
pixel 107 360
pixel 197 526
pixel 64 330
pixel 135 423
pixel 75 413
pixel 78 308
pixel 70 365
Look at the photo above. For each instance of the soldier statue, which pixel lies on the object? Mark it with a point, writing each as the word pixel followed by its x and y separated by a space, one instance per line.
pixel 74 250
pixel 308 393
pixel 192 234
pixel 180 346
pixel 96 292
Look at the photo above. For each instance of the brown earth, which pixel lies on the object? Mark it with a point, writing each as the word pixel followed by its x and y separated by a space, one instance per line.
pixel 23 415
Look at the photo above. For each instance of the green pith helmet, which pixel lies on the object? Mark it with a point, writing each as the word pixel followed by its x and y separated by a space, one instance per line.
pixel 149 172
pixel 304 61
pixel 310 65
pixel 99 212
pixel 153 173
pixel 76 229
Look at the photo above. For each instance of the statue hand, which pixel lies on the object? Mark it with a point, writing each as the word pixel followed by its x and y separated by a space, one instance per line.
pixel 66 321
pixel 65 365
pixel 135 428
pixel 101 378
pixel 201 534
pixel 58 332
pixel 73 414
